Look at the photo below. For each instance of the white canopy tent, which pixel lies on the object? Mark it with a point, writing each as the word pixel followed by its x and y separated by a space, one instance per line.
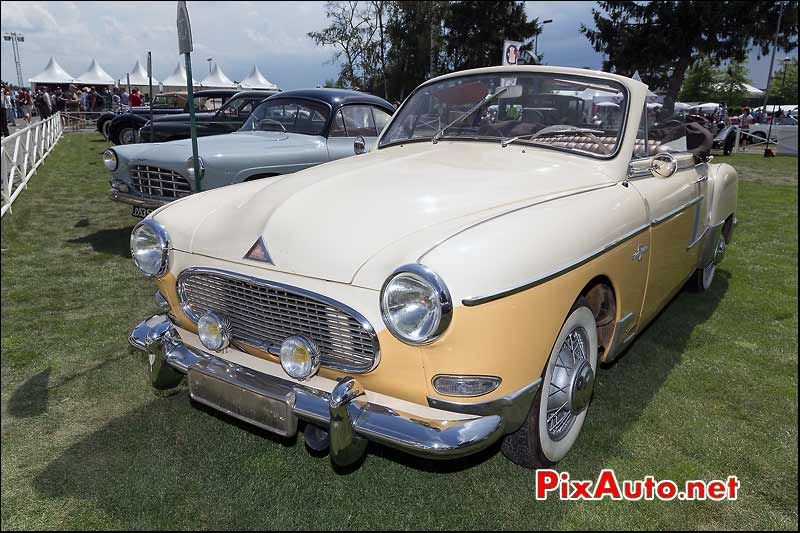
pixel 177 80
pixel 256 80
pixel 53 73
pixel 217 80
pixel 94 75
pixel 138 77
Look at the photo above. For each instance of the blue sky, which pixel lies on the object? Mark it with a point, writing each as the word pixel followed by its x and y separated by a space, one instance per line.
pixel 236 35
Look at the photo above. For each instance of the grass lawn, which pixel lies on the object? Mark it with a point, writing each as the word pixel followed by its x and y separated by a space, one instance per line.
pixel 708 391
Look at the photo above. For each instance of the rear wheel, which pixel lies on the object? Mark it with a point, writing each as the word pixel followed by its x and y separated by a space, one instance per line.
pixel 560 406
pixel 703 277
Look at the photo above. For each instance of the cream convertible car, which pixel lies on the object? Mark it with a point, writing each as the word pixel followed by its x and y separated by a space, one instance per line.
pixel 456 286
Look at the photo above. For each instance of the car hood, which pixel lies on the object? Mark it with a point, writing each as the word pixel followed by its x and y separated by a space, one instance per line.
pixel 396 204
pixel 212 147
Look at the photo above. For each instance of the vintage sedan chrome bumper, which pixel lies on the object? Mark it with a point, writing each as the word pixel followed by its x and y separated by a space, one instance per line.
pixel 135 199
pixel 275 404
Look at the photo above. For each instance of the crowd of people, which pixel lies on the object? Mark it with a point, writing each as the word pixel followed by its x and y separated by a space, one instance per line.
pixel 23 104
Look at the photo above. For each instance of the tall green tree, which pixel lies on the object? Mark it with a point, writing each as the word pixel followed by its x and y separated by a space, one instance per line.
pixel 731 85
pixel 663 39
pixel 475 31
pixel 700 83
pixel 789 92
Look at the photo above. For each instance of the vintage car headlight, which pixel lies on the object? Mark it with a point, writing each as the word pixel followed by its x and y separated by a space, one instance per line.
pixel 300 357
pixel 110 160
pixel 150 247
pixel 190 167
pixel 214 331
pixel 416 304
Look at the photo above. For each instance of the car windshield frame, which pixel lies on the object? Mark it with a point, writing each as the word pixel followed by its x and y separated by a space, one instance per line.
pixel 584 80
pixel 284 100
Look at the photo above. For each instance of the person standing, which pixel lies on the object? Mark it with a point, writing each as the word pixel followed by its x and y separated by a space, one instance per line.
pixel 115 99
pixel 135 99
pixel 125 98
pixel 25 104
pixel 4 108
pixel 744 124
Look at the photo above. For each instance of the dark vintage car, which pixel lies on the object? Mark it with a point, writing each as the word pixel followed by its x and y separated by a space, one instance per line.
pixel 226 119
pixel 120 127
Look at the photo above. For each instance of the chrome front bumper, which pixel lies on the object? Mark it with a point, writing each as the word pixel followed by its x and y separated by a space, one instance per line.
pixel 351 419
pixel 135 199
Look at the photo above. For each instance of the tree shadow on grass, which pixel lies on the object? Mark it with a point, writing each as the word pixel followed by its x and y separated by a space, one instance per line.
pixel 108 241
pixel 30 399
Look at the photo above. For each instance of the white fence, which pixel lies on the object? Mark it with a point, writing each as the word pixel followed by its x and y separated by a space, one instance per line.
pixel 23 152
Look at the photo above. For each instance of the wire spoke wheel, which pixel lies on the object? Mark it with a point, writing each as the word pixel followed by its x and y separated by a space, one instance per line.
pixel 570 387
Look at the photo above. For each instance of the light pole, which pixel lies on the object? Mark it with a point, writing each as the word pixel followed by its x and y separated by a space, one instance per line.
pixel 786 62
pixel 15 39
pixel 210 59
pixel 536 40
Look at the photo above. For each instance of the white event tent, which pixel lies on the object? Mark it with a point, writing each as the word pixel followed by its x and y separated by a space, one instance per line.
pixel 139 79
pixel 94 75
pixel 217 80
pixel 53 74
pixel 256 80
pixel 177 80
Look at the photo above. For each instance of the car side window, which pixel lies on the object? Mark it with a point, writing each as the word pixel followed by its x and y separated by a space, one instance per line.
pixel 381 119
pixel 358 121
pixel 337 126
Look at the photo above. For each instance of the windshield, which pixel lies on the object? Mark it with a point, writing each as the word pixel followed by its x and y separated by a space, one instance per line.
pixel 291 115
pixel 575 113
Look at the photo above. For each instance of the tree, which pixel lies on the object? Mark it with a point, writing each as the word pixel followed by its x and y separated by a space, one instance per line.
pixel 789 93
pixel 731 85
pixel 351 33
pixel 475 31
pixel 663 39
pixel 700 83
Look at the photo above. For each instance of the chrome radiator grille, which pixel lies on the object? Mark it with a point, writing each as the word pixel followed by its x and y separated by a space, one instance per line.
pixel 156 181
pixel 264 313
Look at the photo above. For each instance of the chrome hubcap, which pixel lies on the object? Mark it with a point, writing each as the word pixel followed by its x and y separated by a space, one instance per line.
pixel 570 388
pixel 719 252
pixel 127 137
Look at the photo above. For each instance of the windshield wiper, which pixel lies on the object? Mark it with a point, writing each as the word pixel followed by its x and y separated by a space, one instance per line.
pixel 485 100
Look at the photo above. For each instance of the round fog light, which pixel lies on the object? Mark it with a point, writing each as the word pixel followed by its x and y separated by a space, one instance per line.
pixel 300 357
pixel 214 331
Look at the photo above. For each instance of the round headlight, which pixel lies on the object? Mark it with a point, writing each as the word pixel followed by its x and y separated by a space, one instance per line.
pixel 416 304
pixel 214 331
pixel 110 160
pixel 300 357
pixel 150 248
pixel 190 166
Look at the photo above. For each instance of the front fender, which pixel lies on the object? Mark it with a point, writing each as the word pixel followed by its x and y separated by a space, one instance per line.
pixel 723 182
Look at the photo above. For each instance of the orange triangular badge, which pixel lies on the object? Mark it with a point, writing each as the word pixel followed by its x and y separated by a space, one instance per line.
pixel 258 252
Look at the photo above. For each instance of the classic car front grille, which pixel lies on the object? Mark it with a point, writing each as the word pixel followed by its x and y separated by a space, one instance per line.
pixel 264 313
pixel 156 181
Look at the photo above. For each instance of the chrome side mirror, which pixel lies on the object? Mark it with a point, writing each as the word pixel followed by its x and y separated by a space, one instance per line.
pixel 360 145
pixel 664 165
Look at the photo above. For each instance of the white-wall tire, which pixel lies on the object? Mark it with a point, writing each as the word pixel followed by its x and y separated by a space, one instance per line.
pixel 535 444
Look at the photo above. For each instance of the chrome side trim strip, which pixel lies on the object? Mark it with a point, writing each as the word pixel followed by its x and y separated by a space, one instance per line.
pixel 478 300
pixel 676 211
pixel 623 334
pixel 512 408
pixel 698 239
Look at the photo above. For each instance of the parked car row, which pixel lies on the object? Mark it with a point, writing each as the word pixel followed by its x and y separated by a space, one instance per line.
pixel 435 279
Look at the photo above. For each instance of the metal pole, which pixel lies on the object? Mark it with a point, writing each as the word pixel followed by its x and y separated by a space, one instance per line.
pixel 192 122
pixel 772 60
pixel 150 83
pixel 128 79
pixel 17 58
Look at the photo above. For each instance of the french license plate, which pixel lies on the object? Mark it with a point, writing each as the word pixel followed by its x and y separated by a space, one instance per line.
pixel 267 407
pixel 141 212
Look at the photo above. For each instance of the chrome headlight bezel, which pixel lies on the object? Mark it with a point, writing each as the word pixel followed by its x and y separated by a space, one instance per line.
pixel 110 159
pixel 439 294
pixel 190 167
pixel 161 234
